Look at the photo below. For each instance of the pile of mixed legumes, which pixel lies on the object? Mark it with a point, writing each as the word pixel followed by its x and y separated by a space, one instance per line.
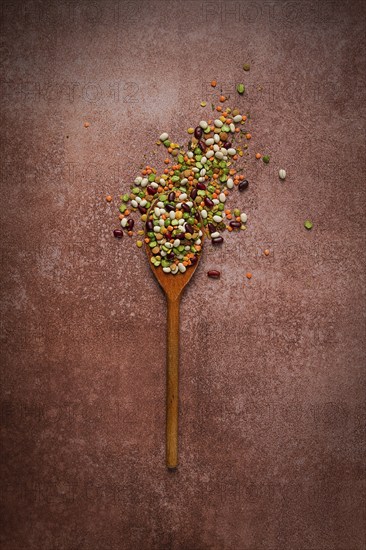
pixel 187 200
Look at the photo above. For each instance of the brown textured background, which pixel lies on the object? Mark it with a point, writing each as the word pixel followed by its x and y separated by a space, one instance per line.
pixel 272 372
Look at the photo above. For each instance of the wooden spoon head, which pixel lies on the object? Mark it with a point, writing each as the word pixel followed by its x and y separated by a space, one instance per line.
pixel 172 285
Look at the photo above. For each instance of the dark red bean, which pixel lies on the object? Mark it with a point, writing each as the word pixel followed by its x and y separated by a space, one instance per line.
pixel 171 197
pixel 235 225
pixel 227 145
pixel 193 260
pixel 118 233
pixel 211 227
pixel 217 240
pixel 150 190
pixel 149 226
pixel 186 208
pixel 201 186
pixel 142 209
pixel 169 208
pixel 130 224
pixel 197 216
pixel 193 193
pixel 168 235
pixel 189 228
pixel 180 236
pixel 213 274
pixel 170 256
pixel 243 185
pixel 208 202
pixel 202 146
pixel 198 132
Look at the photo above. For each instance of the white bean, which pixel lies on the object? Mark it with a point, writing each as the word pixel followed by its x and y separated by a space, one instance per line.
pixel 182 196
pixel 184 181
pixel 209 154
pixel 204 214
pixel 172 215
pixel 222 197
pixel 216 138
pixel 282 174
pixel 157 211
pixel 164 136
pixel 203 160
pixel 190 155
pixel 219 155
pixel 134 203
pixel 218 123
pixel 230 183
pixel 217 219
pixel 144 182
pixel 203 124
pixel 209 141
pixel 157 229
pixel 166 269
pixel 215 234
pixel 182 268
pixel 124 222
pixel 203 172
pixel 243 217
pixel 215 201
pixel 176 243
pixel 216 147
pixel 231 151
pixel 237 118
pixel 138 180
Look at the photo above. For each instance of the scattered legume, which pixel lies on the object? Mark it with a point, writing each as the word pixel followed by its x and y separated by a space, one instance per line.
pixel 282 174
pixel 214 274
pixel 308 224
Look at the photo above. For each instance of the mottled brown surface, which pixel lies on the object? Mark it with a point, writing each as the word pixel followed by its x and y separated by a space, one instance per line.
pixel 272 371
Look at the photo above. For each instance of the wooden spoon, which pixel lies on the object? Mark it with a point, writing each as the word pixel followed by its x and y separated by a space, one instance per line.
pixel 173 286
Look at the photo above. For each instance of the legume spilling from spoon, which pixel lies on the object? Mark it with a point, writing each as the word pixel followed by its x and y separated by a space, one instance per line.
pixel 189 196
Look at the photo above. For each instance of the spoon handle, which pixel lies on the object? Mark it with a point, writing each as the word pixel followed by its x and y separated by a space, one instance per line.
pixel 172 383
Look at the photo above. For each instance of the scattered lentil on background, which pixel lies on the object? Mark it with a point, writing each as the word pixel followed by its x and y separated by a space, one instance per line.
pixel 308 224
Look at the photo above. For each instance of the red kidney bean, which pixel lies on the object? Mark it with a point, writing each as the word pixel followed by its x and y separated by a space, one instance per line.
pixel 213 274
pixel 208 202
pixel 149 226
pixel 193 260
pixel 180 236
pixel 202 146
pixel 243 185
pixel 197 216
pixel 198 132
pixel 235 225
pixel 227 145
pixel 171 197
pixel 168 235
pixel 186 208
pixel 170 256
pixel 189 228
pixel 217 240
pixel 211 227
pixel 150 190
pixel 193 193
pixel 169 207
pixel 142 209
pixel 201 186
pixel 118 233
pixel 130 224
